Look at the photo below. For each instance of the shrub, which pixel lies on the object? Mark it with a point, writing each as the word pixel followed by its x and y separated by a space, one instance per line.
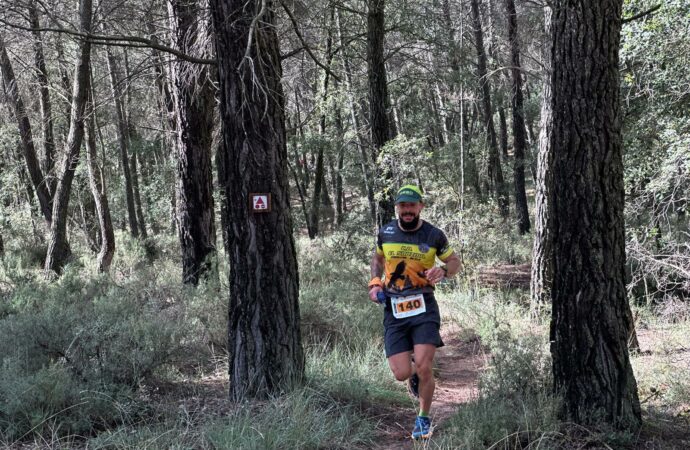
pixel 69 348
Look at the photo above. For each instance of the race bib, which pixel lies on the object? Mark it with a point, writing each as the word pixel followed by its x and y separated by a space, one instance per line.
pixel 409 306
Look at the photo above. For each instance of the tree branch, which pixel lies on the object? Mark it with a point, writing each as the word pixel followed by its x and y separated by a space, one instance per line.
pixel 295 27
pixel 642 14
pixel 122 41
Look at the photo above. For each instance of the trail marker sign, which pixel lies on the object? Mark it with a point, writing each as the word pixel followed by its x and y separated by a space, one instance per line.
pixel 260 203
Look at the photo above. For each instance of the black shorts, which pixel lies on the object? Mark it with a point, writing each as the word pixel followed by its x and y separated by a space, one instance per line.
pixel 401 335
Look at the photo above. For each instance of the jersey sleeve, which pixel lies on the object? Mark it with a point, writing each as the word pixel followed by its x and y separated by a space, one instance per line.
pixel 443 246
pixel 379 244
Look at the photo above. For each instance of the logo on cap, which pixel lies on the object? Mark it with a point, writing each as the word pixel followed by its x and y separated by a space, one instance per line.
pixel 409 193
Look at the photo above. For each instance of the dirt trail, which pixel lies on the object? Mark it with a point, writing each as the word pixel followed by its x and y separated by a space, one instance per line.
pixel 458 365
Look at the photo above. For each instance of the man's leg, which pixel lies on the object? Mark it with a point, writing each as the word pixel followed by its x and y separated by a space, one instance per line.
pixel 424 360
pixel 400 365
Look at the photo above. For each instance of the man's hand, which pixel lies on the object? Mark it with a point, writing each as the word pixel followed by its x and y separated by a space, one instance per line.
pixel 435 274
pixel 372 293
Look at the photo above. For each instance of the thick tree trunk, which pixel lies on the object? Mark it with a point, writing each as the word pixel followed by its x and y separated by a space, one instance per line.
pixel 123 142
pixel 494 166
pixel 15 99
pixel 58 250
pixel 379 104
pixel 264 342
pixel 542 250
pixel 591 318
pixel 519 138
pixel 46 107
pixel 100 195
pixel 194 105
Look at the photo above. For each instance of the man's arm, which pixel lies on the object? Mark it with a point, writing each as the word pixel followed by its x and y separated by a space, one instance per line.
pixel 377 264
pixel 453 266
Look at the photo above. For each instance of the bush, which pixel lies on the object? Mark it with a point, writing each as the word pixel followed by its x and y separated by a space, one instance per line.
pixel 515 406
pixel 68 347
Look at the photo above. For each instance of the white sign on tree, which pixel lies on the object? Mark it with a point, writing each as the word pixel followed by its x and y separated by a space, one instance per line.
pixel 260 202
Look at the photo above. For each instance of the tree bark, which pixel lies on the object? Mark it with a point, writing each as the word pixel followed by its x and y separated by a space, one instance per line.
pixel 25 133
pixel 194 105
pixel 264 342
pixel 519 138
pixel 58 249
pixel 591 318
pixel 123 142
pixel 542 250
pixel 494 167
pixel 379 104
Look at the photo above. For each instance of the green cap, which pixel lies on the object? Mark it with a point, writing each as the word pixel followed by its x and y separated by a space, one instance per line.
pixel 409 193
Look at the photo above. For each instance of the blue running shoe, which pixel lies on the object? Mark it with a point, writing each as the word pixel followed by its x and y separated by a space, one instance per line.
pixel 422 428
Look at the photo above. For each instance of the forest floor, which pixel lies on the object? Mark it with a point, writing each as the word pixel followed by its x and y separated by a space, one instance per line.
pixel 457 368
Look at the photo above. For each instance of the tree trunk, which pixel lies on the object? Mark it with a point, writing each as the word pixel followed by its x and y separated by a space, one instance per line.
pixel 194 105
pixel 134 141
pixel 542 250
pixel 338 188
pixel 46 107
pixel 99 192
pixel 494 166
pixel 591 318
pixel 519 138
pixel 503 131
pixel 58 249
pixel 379 103
pixel 65 81
pixel 264 342
pixel 313 226
pixel 15 99
pixel 319 177
pixel 134 172
pixel 123 142
pixel 354 117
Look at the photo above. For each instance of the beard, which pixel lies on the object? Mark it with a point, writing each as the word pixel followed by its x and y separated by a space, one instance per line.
pixel 411 225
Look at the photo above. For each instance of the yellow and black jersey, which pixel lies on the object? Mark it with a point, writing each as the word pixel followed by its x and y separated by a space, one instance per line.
pixel 408 255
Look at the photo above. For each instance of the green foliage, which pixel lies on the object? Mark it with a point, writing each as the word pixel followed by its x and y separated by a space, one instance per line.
pixel 303 419
pixel 515 406
pixel 74 352
pixel 341 327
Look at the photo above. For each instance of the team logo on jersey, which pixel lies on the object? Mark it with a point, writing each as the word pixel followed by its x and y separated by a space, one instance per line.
pixel 423 248
pixel 389 230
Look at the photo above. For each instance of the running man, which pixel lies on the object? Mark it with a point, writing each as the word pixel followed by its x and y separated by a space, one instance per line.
pixel 404 268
